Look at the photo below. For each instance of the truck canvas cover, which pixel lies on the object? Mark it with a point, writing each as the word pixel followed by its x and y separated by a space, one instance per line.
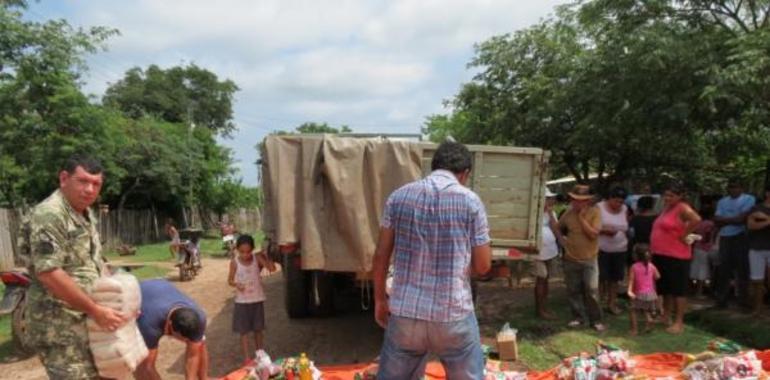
pixel 328 193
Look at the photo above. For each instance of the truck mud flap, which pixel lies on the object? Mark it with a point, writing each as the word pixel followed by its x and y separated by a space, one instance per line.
pixel 321 293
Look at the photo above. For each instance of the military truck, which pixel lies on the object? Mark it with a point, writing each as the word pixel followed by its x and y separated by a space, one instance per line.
pixel 324 196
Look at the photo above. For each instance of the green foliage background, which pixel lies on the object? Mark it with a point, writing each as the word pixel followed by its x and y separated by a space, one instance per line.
pixel 645 89
pixel 155 130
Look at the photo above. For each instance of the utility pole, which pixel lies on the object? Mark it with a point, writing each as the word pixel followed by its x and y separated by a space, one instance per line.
pixel 187 210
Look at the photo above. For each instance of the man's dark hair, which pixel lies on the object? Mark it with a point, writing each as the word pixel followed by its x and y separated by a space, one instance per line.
pixel 675 187
pixel 245 239
pixel 617 192
pixel 186 322
pixel 645 203
pixel 734 182
pixel 89 164
pixel 452 156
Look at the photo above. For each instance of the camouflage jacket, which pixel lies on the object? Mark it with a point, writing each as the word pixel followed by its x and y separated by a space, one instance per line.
pixel 55 236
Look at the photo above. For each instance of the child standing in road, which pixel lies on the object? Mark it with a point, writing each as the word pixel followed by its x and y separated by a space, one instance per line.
pixel 641 286
pixel 245 276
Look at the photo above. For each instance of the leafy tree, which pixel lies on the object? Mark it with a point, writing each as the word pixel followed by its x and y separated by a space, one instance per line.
pixel 229 193
pixel 626 88
pixel 312 127
pixel 43 115
pixel 154 158
pixel 177 95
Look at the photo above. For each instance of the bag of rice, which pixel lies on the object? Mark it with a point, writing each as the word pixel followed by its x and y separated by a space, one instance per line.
pixel 117 353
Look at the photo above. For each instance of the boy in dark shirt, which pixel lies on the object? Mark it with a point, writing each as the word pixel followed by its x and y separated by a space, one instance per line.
pixel 759 250
pixel 640 225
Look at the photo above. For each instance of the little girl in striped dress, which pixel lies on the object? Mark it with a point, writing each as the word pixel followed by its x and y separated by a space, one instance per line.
pixel 641 286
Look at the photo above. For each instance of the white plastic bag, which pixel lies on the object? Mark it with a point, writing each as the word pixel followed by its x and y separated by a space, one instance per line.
pixel 507 333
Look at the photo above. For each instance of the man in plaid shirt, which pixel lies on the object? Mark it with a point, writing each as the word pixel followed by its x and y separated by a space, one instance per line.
pixel 436 230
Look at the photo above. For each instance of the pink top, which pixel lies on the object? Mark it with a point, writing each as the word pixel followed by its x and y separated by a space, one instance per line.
pixel 644 278
pixel 666 232
pixel 705 228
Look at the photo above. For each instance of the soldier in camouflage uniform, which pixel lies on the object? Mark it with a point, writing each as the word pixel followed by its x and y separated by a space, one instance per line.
pixel 62 241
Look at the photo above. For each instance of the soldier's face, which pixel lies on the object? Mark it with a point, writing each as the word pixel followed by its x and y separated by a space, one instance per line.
pixel 80 187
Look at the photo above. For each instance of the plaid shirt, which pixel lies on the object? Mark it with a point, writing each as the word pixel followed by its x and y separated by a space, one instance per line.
pixel 436 221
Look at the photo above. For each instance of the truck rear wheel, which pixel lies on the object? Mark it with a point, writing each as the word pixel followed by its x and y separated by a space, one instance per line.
pixel 295 287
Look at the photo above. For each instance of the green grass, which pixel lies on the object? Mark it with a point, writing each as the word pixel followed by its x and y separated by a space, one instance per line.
pixel 149 271
pixel 542 344
pixel 145 254
pixel 6 346
pixel 159 252
pixel 745 329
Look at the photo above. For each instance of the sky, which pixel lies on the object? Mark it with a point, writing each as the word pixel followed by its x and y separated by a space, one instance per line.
pixel 375 66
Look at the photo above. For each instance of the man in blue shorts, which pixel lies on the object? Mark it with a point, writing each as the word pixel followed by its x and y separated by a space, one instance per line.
pixel 166 311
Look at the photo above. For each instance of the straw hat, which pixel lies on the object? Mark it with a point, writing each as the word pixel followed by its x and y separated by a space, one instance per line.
pixel 549 194
pixel 580 193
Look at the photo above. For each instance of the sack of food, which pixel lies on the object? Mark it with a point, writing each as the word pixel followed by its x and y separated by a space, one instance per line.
pixel 117 353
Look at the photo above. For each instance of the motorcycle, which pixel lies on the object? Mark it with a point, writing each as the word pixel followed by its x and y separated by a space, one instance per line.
pixel 190 264
pixel 14 302
pixel 228 244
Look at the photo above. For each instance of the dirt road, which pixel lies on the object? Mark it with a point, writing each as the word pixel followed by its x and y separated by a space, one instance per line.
pixel 349 337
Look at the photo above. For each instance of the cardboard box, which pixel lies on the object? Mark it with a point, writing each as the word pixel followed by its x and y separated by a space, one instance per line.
pixel 507 348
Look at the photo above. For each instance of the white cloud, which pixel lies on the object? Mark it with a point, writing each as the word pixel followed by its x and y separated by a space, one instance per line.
pixel 348 73
pixel 379 65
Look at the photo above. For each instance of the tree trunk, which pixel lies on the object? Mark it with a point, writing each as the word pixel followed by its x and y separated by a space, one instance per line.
pixel 601 183
pixel 155 220
pixel 122 203
pixel 570 162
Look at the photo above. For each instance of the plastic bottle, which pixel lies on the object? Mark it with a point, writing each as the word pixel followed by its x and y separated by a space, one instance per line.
pixel 304 368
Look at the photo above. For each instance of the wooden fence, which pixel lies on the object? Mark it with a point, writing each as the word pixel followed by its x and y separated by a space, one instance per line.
pixel 136 227
pixel 246 220
pixel 9 225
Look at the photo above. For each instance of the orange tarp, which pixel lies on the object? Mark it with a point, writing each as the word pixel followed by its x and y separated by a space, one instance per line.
pixel 652 365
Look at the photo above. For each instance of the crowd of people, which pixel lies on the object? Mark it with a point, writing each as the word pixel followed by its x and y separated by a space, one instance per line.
pixel 663 249
pixel 435 233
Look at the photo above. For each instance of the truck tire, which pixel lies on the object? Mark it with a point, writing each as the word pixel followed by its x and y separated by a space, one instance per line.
pixel 321 289
pixel 295 288
pixel 19 330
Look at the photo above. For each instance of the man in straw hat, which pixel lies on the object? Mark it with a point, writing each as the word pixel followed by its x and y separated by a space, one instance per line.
pixel 582 222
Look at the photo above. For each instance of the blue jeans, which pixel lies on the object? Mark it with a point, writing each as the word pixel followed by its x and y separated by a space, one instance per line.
pixel 409 341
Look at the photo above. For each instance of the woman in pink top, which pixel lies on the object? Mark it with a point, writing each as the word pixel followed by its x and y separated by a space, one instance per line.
pixel 672 254
pixel 641 286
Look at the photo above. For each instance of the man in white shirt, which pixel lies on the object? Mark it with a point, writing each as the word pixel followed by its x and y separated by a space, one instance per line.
pixel 544 263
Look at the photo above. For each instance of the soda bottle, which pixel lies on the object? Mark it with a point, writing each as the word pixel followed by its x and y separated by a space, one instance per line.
pixel 304 368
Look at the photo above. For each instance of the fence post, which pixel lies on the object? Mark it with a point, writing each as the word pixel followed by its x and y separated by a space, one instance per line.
pixel 6 241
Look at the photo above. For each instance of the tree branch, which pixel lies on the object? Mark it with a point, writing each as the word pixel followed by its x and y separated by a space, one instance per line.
pixel 722 23
pixel 731 13
pixel 752 8
pixel 569 162
pixel 600 175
